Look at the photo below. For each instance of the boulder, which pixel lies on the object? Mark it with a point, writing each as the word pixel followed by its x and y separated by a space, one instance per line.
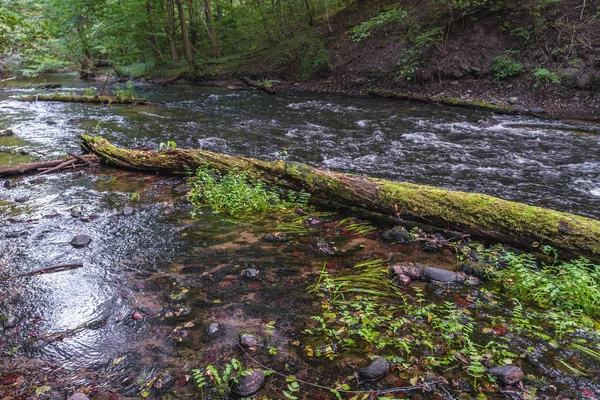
pixel 81 241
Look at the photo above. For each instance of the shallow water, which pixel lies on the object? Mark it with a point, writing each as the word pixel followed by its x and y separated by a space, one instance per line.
pixel 75 329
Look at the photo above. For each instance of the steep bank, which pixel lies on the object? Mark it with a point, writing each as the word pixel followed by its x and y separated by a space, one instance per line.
pixel 542 54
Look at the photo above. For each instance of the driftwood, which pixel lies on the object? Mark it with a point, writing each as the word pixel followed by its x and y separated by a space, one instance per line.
pixel 265 86
pixel 85 99
pixel 452 102
pixel 479 215
pixel 48 270
pixel 49 166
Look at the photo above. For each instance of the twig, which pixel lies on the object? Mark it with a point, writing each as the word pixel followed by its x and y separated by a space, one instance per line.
pixel 378 392
pixel 80 158
pixel 49 270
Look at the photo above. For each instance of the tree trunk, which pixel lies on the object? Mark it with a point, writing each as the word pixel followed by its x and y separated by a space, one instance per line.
pixel 480 215
pixel 184 33
pixel 171 30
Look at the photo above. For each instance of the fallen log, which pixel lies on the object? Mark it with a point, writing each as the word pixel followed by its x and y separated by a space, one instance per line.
pixel 67 98
pixel 265 85
pixel 453 102
pixel 46 166
pixel 479 215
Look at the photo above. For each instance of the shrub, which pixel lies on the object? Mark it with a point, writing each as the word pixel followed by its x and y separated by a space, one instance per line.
pixel 544 76
pixel 505 67
pixel 364 30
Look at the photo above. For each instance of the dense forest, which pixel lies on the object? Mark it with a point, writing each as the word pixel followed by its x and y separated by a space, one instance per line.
pixel 547 42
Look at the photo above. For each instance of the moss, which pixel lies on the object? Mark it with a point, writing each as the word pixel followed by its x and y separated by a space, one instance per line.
pixel 84 99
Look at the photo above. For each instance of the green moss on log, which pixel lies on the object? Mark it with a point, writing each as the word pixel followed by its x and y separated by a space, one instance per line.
pixel 67 98
pixel 480 215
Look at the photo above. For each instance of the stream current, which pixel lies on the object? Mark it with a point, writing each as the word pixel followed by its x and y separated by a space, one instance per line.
pixel 76 328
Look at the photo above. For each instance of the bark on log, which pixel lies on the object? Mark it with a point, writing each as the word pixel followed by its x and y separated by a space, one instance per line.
pixel 22 169
pixel 84 99
pixel 480 215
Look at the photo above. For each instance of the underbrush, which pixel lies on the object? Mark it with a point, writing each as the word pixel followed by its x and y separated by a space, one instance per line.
pixel 236 194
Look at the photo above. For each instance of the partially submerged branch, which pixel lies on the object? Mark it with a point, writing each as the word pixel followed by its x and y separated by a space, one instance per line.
pixel 480 215
pixel 85 99
pixel 264 85
pixel 44 167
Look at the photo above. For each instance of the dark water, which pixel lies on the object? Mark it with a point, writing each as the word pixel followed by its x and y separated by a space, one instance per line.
pixel 74 329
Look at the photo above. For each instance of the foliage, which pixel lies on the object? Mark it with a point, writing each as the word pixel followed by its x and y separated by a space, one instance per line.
pixel 126 93
pixel 391 15
pixel 570 286
pixel 236 194
pixel 544 76
pixel 169 145
pixel 505 67
pixel 221 380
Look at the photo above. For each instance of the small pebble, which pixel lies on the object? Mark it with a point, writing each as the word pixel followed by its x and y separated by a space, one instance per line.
pixel 507 374
pixel 248 341
pixel 127 211
pixel 78 396
pixel 75 212
pixel 376 370
pixel 81 241
pixel 9 184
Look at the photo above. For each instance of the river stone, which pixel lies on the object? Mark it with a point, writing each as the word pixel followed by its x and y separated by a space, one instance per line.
pixel 478 269
pixel 250 273
pixel 78 396
pixel 248 341
pixel 413 271
pixel 7 132
pixel 430 247
pixel 248 385
pixel 9 184
pixel 127 211
pixel 75 212
pixel 507 374
pixel 10 321
pixel 439 275
pixel 213 331
pixel 513 100
pixel 397 235
pixel 537 110
pixel 376 370
pixel 275 237
pixel 23 199
pixel 81 241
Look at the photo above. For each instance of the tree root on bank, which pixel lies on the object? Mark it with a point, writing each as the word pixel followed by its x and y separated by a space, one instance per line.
pixel 482 216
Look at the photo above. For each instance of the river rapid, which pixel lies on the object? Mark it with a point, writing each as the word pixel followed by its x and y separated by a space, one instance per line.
pixel 132 322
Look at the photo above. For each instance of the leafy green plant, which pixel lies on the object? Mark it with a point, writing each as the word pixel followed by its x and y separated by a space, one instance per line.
pixel 89 91
pixel 364 30
pixel 292 388
pixel 134 197
pixel 236 194
pixel 543 76
pixel 170 145
pixel 127 93
pixel 221 380
pixel 505 67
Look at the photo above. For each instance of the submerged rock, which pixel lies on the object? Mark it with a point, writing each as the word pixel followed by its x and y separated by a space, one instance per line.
pixel 214 331
pixel 23 199
pixel 81 241
pixel 250 273
pixel 127 211
pixel 376 370
pixel 397 235
pixel 10 322
pixel 75 212
pixel 78 396
pixel 507 374
pixel 9 184
pixel 248 384
pixel 439 275
pixel 275 237
pixel 412 270
pixel 17 234
pixel 248 341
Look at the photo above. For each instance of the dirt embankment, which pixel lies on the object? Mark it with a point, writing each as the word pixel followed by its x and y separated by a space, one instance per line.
pixel 532 54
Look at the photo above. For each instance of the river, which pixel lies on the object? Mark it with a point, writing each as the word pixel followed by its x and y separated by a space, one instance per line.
pixel 152 282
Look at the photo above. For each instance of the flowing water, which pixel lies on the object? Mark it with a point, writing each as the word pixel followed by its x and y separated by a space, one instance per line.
pixel 132 320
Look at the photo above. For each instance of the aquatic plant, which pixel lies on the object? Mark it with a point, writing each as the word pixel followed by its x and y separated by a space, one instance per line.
pixel 221 380
pixel 236 194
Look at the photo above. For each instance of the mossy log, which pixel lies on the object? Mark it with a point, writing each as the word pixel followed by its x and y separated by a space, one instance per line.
pixel 451 101
pixel 482 216
pixel 69 98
